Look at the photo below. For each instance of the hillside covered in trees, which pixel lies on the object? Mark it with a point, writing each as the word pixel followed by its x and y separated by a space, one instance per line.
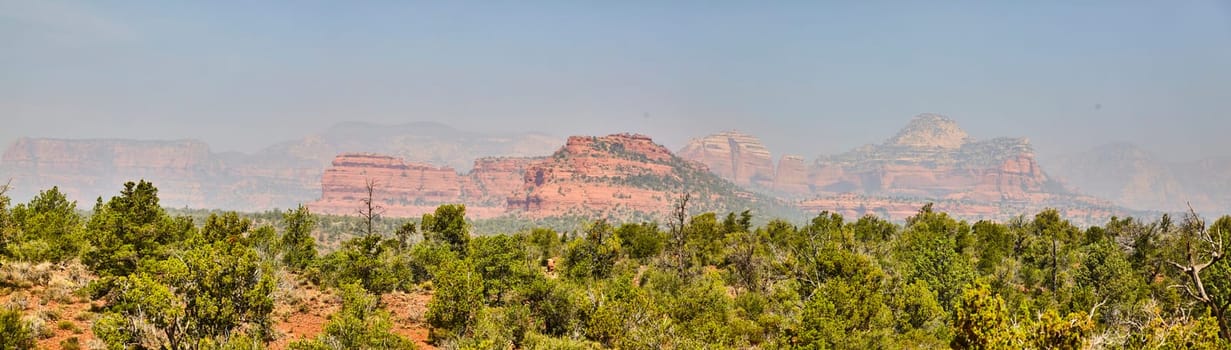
pixel 128 274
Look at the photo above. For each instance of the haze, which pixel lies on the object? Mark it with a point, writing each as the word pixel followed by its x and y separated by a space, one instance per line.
pixel 809 78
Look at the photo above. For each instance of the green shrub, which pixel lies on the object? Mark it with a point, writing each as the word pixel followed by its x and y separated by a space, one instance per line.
pixel 72 343
pixel 17 333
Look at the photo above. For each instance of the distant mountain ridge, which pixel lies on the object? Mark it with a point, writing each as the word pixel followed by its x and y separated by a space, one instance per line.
pixel 529 174
pixel 1136 178
pixel 930 160
pixel 285 174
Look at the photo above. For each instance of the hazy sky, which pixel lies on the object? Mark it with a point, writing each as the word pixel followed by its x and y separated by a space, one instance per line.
pixel 809 77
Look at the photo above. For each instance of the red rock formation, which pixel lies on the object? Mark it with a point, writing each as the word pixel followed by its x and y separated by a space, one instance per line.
pixel 495 179
pixel 598 174
pixel 934 159
pixel 734 156
pixel 792 176
pixel 412 189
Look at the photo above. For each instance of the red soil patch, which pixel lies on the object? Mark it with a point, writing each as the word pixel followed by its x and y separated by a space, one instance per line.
pixel 306 318
pixel 408 310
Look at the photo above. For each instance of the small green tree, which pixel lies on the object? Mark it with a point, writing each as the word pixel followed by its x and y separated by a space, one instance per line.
pixel 502 264
pixel 847 310
pixel 458 298
pixel 982 321
pixel 544 244
pixel 203 296
pixel 50 228
pixel 641 241
pixel 930 250
pixel 226 227
pixel 130 228
pixel 370 260
pixel 595 255
pixel 360 324
pixel 15 334
pixel 448 225
pixel 404 234
pixel 297 246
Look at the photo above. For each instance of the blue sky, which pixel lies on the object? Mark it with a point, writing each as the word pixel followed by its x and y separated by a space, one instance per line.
pixel 809 77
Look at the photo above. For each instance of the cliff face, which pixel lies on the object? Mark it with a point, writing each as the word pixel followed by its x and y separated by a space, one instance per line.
pixel 734 156
pixel 792 176
pixel 407 189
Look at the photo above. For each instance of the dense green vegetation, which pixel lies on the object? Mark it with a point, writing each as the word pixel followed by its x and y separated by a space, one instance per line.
pixel 699 281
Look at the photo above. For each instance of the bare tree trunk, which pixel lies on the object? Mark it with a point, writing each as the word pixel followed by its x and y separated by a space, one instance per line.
pixel 1199 242
pixel 370 210
pixel 679 217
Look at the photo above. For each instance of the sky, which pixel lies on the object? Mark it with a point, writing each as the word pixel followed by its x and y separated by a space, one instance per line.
pixel 808 77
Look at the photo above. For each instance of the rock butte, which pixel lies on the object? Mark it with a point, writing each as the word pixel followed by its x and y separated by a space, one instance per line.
pixel 406 189
pixel 594 173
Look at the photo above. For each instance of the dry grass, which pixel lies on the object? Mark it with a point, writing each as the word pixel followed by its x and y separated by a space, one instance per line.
pixel 45 295
pixel 25 275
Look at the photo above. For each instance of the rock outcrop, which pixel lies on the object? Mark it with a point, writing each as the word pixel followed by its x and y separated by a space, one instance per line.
pixel 930 131
pixel 792 176
pixel 408 189
pixel 734 156
pixel 625 175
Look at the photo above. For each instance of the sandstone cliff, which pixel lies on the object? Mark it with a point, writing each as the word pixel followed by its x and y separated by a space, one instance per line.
pixel 734 156
pixel 408 189
pixel 792 176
